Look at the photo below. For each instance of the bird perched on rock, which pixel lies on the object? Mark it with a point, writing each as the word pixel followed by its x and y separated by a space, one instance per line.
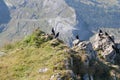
pixel 106 34
pixel 109 37
pixel 76 41
pixel 100 33
pixel 53 31
pixel 115 48
pixel 77 37
pixel 56 36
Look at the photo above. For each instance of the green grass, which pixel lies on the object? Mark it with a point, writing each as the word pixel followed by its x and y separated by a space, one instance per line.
pixel 23 60
pixel 24 64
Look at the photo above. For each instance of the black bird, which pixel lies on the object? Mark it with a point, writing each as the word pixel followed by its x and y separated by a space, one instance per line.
pixel 56 36
pixel 100 31
pixel 53 31
pixel 77 37
pixel 111 39
pixel 115 48
pixel 99 35
pixel 106 34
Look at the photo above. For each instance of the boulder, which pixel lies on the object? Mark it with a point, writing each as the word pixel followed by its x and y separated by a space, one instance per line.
pixel 76 42
pixel 104 45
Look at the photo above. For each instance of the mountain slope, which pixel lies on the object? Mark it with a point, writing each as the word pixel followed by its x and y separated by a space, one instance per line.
pixel 41 57
pixel 24 60
pixel 69 17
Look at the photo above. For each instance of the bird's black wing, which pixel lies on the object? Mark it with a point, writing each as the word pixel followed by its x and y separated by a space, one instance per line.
pixel 106 34
pixel 56 36
pixel 100 31
pixel 111 39
pixel 53 31
pixel 77 37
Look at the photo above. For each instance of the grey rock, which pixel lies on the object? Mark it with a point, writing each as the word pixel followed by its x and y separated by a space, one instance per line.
pixel 2 54
pixel 87 46
pixel 56 76
pixel 76 42
pixel 104 44
pixel 43 70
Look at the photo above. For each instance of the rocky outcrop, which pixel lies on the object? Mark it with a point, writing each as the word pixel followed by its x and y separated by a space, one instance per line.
pixel 102 48
pixel 86 46
pixel 105 45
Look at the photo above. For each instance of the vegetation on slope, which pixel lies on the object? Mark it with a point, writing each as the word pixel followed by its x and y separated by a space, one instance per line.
pixel 25 59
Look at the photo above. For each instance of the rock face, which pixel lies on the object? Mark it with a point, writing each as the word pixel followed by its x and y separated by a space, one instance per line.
pixel 69 17
pixel 105 43
pixel 87 47
pixel 102 47
pixel 101 42
pixel 95 14
pixel 27 15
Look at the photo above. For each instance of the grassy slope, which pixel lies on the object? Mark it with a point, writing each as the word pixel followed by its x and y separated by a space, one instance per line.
pixel 25 58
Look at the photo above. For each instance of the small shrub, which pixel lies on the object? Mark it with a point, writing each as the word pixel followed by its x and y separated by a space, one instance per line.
pixel 36 39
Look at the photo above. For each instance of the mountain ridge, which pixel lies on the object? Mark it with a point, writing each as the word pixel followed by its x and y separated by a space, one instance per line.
pixel 69 17
pixel 41 56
